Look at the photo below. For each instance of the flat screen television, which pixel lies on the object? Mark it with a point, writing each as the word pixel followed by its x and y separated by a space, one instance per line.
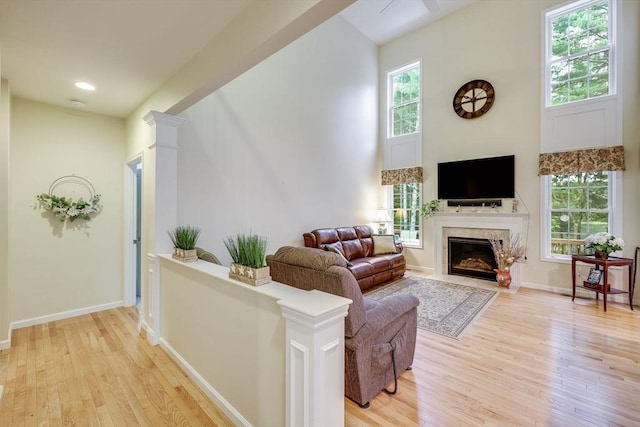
pixel 488 178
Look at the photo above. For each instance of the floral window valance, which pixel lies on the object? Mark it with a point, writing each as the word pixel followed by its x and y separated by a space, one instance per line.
pixel 402 176
pixel 578 161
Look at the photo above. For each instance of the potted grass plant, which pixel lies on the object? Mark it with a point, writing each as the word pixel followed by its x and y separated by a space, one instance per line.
pixel 184 238
pixel 248 253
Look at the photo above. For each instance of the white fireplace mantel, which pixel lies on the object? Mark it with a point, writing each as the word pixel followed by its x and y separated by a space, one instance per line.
pixel 474 224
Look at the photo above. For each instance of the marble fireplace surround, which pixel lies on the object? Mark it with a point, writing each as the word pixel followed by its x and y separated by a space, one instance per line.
pixel 475 225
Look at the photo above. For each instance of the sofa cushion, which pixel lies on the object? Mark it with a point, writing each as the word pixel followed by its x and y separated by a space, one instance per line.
pixel 347 233
pixel 352 249
pixel 385 244
pixel 325 235
pixel 361 268
pixel 379 264
pixel 364 233
pixel 395 260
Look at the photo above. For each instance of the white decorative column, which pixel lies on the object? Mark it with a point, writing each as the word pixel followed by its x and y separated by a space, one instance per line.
pixel 315 359
pixel 161 201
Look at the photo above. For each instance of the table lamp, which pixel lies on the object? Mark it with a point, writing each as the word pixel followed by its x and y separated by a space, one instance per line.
pixel 382 218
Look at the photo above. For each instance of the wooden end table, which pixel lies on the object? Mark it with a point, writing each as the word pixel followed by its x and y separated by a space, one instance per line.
pixel 604 264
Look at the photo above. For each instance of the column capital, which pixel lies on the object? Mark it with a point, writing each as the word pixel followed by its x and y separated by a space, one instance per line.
pixel 165 127
pixel 156 118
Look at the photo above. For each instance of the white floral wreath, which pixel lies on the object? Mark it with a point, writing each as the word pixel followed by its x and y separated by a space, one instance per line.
pixel 65 208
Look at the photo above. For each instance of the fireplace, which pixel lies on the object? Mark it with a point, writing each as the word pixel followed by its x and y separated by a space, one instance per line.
pixel 471 257
pixel 470 227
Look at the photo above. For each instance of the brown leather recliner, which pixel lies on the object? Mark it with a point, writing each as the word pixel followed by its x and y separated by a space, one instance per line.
pixel 380 336
pixel 357 245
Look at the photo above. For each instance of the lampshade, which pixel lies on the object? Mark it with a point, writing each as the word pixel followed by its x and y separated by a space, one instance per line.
pixel 382 216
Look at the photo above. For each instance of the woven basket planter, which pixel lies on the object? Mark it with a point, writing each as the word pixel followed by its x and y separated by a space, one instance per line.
pixel 185 255
pixel 249 275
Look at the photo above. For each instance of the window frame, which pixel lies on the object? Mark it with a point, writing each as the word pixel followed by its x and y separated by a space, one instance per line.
pixel 404 150
pixel 411 243
pixel 390 106
pixel 551 14
pixel 615 215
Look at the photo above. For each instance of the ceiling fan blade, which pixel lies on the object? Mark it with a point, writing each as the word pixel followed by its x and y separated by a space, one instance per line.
pixel 388 7
pixel 432 5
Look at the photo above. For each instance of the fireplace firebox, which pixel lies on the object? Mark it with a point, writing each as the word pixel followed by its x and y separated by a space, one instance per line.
pixel 471 257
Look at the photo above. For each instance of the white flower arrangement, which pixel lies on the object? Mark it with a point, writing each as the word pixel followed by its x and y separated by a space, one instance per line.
pixel 66 209
pixel 604 242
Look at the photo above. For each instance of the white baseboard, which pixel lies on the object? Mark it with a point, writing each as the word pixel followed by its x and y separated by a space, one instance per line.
pixel 235 416
pixel 25 323
pixel 152 337
pixel 5 344
pixel 426 270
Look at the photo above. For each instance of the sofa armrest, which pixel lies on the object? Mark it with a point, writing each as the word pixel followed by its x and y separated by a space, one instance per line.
pixel 310 240
pixel 385 312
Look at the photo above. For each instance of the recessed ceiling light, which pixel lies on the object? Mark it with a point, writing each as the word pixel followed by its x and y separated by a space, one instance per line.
pixel 85 86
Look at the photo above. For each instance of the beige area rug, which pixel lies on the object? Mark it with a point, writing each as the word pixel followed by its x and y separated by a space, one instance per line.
pixel 445 308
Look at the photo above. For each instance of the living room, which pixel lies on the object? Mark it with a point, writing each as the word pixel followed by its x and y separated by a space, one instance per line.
pixel 293 144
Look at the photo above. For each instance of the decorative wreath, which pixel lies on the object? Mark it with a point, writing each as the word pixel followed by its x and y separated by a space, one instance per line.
pixel 65 208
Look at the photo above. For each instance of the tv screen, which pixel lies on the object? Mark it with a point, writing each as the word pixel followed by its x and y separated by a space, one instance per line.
pixel 489 178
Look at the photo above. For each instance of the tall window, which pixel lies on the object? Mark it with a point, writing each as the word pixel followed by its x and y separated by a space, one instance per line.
pixel 579 207
pixel 580 49
pixel 579 52
pixel 404 100
pixel 403 105
pixel 406 212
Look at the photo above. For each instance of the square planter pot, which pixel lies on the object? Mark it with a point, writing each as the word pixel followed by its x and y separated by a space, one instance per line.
pixel 248 275
pixel 185 255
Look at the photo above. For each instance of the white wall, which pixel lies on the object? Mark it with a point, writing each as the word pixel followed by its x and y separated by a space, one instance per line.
pixel 289 146
pixel 231 335
pixel 263 27
pixel 55 269
pixel 500 41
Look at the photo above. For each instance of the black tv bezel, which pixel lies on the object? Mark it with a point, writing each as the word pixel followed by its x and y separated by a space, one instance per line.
pixel 490 162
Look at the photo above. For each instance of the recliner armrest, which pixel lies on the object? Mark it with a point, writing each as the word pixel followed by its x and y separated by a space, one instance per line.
pixel 386 311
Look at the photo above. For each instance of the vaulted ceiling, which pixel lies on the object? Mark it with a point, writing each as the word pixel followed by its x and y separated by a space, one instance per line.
pixel 128 49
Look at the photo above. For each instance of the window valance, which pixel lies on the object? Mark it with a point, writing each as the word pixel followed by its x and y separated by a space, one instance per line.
pixel 402 176
pixel 578 161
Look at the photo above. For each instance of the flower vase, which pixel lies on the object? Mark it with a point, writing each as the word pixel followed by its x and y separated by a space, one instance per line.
pixel 503 277
pixel 601 255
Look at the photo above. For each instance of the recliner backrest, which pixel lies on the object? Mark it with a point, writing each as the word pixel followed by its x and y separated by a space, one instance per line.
pixel 312 268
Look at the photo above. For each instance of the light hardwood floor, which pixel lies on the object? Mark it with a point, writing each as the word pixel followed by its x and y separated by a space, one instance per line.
pixel 532 358
pixel 96 370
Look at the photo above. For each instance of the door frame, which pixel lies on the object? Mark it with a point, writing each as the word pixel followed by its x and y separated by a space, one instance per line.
pixel 130 194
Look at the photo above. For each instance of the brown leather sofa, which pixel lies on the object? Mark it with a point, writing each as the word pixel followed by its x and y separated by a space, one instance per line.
pixel 369 265
pixel 380 336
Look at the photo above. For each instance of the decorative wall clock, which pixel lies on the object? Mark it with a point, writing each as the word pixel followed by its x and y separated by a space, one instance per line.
pixel 473 99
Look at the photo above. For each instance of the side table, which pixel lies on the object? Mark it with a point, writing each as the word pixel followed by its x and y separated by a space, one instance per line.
pixel 605 264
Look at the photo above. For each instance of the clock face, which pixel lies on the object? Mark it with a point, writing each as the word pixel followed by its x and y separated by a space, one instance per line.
pixel 473 99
